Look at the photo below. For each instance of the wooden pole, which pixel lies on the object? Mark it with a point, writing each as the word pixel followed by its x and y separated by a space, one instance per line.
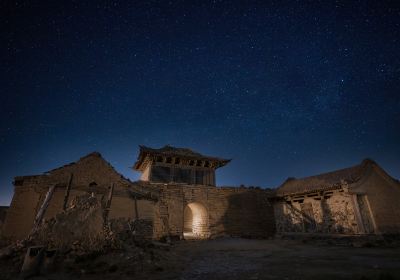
pixel 43 208
pixel 110 195
pixel 108 204
pixel 136 209
pixel 67 190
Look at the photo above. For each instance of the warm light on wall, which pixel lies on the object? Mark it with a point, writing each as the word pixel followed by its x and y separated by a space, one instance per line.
pixel 196 221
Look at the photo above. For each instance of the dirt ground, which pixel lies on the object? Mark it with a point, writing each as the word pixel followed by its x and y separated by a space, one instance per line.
pixel 285 259
pixel 235 258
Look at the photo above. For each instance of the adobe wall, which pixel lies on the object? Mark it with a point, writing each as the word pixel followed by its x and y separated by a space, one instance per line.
pixel 335 214
pixel 29 197
pixel 230 211
pixel 382 198
pixel 21 214
pixel 3 213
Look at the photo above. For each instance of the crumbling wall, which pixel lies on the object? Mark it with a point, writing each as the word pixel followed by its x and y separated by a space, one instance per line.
pixel 83 222
pixel 325 214
pixel 124 208
pixel 89 169
pixel 91 174
pixel 382 196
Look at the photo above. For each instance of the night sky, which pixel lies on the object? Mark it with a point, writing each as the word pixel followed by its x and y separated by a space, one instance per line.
pixel 285 89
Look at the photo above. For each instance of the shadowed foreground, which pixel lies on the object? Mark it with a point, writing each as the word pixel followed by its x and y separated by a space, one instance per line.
pixel 234 258
pixel 286 259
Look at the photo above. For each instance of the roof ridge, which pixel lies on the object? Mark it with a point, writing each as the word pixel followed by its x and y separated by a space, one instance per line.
pixel 95 153
pixel 361 164
pixel 324 180
pixel 170 148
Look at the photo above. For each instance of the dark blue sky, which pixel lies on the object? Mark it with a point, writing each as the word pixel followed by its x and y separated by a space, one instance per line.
pixel 283 88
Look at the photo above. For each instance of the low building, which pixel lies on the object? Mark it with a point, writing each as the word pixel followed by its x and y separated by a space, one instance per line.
pixel 362 199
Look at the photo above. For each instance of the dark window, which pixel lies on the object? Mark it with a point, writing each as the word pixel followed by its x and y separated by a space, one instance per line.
pixel 18 182
pixel 161 174
pixel 183 176
pixel 201 177
pixel 159 159
pixel 92 187
pixel 198 163
pixel 177 160
pixel 169 160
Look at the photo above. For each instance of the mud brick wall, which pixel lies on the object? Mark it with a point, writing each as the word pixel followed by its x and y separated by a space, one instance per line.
pixel 383 200
pixel 241 212
pixel 326 215
pixel 30 191
pixel 21 214
pixel 229 210
pixel 28 199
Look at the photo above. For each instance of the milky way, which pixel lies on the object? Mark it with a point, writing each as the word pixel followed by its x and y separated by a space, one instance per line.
pixel 283 89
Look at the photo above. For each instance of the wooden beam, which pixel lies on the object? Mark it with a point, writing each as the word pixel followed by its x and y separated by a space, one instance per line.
pixel 136 209
pixel 42 210
pixel 110 195
pixel 108 204
pixel 67 190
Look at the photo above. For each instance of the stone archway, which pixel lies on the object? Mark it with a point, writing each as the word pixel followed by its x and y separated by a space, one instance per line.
pixel 195 221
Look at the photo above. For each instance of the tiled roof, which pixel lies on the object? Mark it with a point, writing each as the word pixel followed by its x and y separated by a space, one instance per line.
pixel 168 150
pixel 326 180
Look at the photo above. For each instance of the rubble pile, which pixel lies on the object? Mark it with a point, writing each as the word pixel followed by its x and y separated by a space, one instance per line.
pixel 80 227
pixel 131 230
pixel 88 243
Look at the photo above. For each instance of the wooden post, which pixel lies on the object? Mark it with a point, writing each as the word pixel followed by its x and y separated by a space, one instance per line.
pixel 110 195
pixel 43 209
pixel 136 209
pixel 67 190
pixel 108 204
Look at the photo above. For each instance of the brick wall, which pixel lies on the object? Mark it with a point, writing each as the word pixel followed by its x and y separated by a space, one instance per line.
pixel 229 210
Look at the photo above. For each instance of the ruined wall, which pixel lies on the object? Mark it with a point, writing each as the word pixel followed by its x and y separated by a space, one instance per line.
pixel 230 211
pixel 317 214
pixel 382 197
pixel 29 197
pixel 90 174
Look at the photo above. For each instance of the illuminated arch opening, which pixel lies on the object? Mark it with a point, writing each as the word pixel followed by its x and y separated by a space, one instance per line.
pixel 195 224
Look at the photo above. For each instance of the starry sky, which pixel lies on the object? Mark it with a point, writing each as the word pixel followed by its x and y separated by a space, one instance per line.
pixel 284 88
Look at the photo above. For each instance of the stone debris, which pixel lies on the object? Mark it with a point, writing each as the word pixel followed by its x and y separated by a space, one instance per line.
pixel 80 227
pixel 82 240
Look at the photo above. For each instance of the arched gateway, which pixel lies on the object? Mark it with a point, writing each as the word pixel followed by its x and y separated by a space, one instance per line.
pixel 195 221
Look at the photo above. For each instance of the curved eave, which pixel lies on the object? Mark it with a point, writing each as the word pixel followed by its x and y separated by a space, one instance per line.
pixel 222 163
pixel 140 163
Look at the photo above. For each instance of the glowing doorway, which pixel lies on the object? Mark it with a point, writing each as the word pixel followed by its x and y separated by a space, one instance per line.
pixel 195 223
